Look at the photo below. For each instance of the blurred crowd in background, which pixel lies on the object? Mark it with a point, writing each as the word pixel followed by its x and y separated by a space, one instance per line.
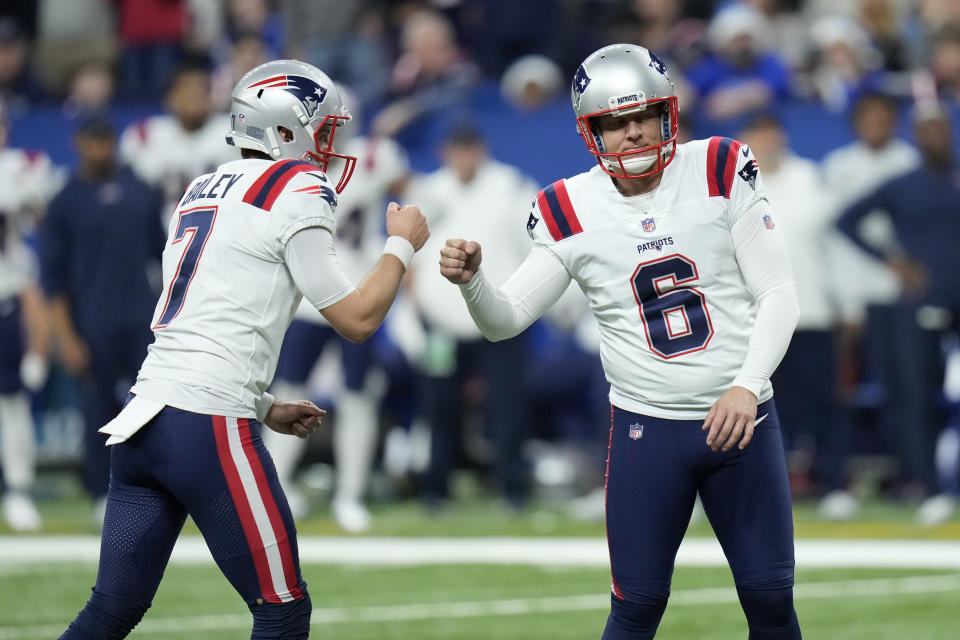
pixel 110 107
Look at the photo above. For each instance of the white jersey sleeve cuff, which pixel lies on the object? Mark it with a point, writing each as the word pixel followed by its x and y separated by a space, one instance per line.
pixel 263 406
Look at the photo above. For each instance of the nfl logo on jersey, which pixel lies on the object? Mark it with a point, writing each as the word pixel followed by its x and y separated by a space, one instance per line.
pixel 636 431
pixel 768 222
pixel 648 224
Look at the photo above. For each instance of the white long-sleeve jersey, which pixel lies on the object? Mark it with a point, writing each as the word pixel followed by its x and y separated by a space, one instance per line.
pixel 690 283
pixel 228 293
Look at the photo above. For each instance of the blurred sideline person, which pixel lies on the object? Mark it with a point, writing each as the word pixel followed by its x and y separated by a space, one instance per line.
pixel 806 379
pixel 101 237
pixel 248 241
pixel 382 169
pixel 471 194
pixel 922 206
pixel 687 273
pixel 171 149
pixel 27 181
pixel 568 393
pixel 866 287
pixel 741 74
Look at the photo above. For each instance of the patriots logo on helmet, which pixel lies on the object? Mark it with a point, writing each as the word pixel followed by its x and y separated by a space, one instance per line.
pixel 657 64
pixel 531 223
pixel 749 174
pixel 580 82
pixel 308 92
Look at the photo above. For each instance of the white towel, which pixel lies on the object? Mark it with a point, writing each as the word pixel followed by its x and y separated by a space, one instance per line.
pixel 138 412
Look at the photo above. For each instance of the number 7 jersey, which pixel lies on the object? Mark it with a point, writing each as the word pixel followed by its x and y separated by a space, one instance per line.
pixel 661 276
pixel 228 297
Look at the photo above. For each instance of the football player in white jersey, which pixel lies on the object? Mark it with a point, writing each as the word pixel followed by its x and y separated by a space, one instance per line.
pixel 169 150
pixel 27 181
pixel 382 170
pixel 246 243
pixel 680 257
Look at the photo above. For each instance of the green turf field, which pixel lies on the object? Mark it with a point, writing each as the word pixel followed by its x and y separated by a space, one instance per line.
pixel 70 514
pixel 482 602
pixel 468 602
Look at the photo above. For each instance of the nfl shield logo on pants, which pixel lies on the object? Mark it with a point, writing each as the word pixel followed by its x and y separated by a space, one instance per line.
pixel 648 224
pixel 636 431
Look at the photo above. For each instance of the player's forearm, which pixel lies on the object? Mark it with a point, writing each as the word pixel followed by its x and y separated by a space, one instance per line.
pixel 61 324
pixel 35 320
pixel 777 315
pixel 764 262
pixel 849 225
pixel 502 313
pixel 491 310
pixel 375 296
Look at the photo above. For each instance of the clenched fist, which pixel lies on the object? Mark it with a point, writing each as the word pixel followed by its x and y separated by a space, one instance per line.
pixel 407 222
pixel 459 260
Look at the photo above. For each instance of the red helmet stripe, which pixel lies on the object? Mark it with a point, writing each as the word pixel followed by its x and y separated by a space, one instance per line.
pixel 270 81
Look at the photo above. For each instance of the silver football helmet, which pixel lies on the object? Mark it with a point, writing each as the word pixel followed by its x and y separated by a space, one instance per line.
pixel 297 97
pixel 617 80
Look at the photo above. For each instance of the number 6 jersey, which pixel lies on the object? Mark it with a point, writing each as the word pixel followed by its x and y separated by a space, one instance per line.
pixel 661 274
pixel 228 296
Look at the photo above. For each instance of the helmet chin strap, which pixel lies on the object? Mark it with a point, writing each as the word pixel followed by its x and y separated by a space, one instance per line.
pixel 638 164
pixel 274 142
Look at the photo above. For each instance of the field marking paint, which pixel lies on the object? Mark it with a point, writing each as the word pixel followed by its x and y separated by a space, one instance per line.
pixel 520 606
pixel 547 552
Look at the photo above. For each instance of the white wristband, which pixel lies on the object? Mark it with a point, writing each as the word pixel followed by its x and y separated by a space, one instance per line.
pixel 400 247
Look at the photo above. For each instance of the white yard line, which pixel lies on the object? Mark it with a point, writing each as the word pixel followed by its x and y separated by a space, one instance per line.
pixel 520 606
pixel 583 552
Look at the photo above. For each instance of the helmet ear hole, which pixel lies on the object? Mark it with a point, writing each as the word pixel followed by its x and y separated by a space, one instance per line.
pixel 285 134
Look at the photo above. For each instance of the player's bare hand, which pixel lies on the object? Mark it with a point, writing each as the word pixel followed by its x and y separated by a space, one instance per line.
pixel 75 354
pixel 459 260
pixel 913 276
pixel 407 222
pixel 294 418
pixel 731 419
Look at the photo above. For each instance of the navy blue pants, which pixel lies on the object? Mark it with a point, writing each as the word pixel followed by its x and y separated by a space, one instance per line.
pixel 806 383
pixel 11 345
pixel 908 360
pixel 502 368
pixel 217 470
pixel 655 469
